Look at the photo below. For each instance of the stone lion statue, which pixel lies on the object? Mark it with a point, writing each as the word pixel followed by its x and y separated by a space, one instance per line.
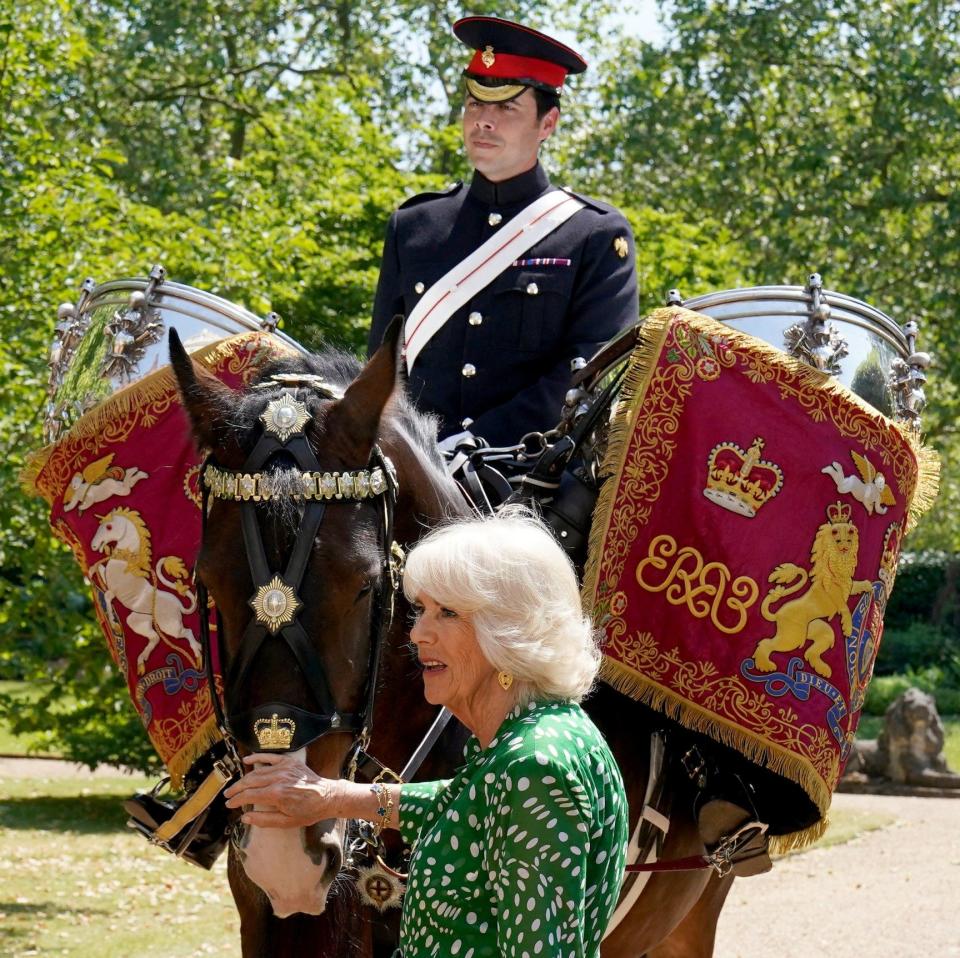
pixel 909 750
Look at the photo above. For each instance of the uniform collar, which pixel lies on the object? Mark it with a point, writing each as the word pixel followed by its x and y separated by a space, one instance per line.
pixel 526 186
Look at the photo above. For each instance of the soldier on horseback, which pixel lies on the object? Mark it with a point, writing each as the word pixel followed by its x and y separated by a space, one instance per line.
pixel 505 280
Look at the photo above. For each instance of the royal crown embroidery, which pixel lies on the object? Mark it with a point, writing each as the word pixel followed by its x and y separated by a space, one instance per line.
pixel 739 481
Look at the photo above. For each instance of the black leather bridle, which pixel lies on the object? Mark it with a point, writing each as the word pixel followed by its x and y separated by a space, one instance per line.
pixel 281 726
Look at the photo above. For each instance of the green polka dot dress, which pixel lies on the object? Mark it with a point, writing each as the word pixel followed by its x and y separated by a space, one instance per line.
pixel 522 852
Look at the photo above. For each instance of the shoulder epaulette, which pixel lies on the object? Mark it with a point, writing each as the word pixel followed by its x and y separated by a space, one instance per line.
pixel 597 205
pixel 452 189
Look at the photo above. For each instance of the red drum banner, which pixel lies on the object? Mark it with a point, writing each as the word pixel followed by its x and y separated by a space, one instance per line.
pixel 123 494
pixel 745 544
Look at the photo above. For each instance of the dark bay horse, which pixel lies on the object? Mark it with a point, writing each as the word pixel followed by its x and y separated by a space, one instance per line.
pixel 355 415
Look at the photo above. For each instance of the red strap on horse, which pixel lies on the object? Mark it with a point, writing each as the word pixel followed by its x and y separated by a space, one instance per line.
pixel 691 863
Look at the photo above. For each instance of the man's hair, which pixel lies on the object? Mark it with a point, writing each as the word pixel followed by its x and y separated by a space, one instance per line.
pixel 545 102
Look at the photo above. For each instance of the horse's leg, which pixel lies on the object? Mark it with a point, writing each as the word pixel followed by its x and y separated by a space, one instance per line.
pixel 253 908
pixel 695 936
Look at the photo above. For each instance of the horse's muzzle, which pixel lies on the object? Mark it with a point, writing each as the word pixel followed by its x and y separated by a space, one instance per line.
pixel 294 867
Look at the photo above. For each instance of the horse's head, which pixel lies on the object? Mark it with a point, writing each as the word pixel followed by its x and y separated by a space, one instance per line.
pixel 307 470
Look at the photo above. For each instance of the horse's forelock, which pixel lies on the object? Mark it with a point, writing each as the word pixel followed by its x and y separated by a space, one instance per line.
pixel 339 369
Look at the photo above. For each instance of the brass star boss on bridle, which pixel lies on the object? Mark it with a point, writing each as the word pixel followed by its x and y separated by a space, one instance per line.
pixel 280 726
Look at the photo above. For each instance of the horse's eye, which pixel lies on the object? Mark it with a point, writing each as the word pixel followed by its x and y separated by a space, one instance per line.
pixel 364 589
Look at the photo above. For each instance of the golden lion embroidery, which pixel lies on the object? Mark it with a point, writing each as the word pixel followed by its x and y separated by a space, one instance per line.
pixel 127 576
pixel 831 583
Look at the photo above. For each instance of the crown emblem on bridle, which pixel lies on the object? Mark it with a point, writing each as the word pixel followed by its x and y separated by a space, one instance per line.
pixel 740 481
pixel 274 732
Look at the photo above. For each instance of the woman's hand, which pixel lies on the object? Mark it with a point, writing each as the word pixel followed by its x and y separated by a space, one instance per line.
pixel 285 793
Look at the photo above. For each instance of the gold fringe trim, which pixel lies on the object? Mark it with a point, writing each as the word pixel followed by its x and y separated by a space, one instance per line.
pixel 151 388
pixel 641 364
pixel 751 746
pixel 792 841
pixel 928 482
pixel 30 473
pixel 179 764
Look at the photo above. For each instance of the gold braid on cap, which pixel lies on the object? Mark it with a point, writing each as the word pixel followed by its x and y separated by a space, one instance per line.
pixel 493 94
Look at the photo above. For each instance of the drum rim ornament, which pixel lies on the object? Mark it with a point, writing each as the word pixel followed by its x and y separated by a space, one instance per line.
pixel 143 310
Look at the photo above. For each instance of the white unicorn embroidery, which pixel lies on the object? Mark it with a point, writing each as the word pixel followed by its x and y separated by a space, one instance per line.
pixel 127 577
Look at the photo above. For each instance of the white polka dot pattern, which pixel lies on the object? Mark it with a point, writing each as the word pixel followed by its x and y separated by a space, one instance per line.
pixel 522 853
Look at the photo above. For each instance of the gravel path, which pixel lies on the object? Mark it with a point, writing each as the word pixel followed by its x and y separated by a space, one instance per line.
pixel 890 893
pixel 53 768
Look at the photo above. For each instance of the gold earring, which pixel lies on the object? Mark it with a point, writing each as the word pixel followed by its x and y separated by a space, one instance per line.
pixel 505 679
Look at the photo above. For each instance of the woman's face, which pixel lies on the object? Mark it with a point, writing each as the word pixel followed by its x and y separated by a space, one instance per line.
pixel 455 672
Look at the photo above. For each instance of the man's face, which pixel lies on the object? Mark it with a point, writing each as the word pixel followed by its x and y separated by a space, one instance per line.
pixel 503 139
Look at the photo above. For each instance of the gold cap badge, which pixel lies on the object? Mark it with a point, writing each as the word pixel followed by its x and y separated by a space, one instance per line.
pixel 621 247
pixel 488 57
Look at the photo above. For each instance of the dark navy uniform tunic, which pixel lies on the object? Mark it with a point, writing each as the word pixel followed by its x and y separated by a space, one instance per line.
pixel 501 364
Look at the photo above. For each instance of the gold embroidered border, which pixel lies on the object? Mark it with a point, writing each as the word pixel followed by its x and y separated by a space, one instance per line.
pixel 139 405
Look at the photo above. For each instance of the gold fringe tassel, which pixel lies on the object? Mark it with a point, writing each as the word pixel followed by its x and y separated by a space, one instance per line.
pixel 752 747
pixel 179 764
pixel 641 364
pixel 928 482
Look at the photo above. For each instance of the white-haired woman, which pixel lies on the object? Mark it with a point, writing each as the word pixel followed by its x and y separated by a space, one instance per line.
pixel 522 852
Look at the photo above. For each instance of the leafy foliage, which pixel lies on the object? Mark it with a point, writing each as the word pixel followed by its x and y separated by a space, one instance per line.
pixel 256 148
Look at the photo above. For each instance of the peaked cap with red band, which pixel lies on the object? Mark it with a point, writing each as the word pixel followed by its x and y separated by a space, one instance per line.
pixel 510 57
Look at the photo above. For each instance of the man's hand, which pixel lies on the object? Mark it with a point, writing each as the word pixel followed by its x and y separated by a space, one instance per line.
pixel 285 793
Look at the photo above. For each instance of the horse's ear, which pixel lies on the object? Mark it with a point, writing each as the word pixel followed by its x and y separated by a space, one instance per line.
pixel 359 412
pixel 206 399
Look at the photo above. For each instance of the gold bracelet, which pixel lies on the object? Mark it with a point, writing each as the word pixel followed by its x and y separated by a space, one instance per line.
pixel 384 804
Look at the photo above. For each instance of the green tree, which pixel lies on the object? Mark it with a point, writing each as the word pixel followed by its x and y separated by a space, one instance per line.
pixel 823 135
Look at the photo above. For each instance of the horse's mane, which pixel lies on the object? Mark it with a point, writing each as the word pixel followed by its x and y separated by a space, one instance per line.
pixel 338 369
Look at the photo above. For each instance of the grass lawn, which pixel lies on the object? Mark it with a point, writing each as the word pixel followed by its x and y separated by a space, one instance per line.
pixel 75 881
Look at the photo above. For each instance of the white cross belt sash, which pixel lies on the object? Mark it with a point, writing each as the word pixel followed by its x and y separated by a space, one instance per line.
pixel 483 266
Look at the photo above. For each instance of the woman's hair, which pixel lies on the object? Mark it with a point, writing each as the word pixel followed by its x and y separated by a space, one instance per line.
pixel 520 591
